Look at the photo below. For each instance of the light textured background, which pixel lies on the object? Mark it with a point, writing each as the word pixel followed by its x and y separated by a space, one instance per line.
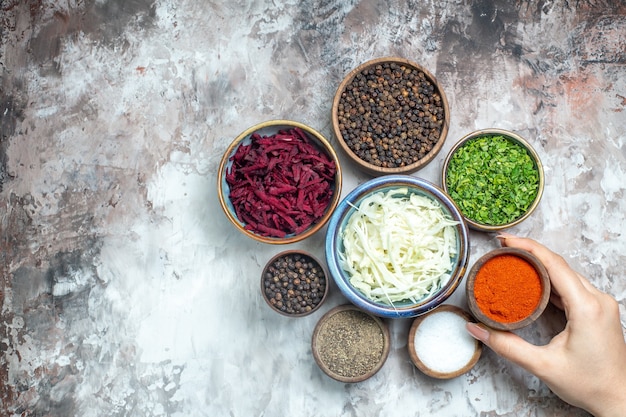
pixel 125 292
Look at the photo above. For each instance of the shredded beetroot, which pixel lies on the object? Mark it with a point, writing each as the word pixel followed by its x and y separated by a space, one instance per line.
pixel 280 184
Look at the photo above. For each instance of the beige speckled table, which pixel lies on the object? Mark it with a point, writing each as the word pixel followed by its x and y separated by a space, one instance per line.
pixel 124 290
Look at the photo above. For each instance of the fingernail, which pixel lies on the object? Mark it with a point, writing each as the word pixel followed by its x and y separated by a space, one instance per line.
pixel 477 332
pixel 505 235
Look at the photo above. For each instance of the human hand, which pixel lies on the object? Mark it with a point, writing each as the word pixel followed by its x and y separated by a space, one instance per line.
pixel 585 364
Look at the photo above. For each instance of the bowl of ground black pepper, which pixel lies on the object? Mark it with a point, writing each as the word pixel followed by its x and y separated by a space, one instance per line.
pixel 294 283
pixel 390 116
pixel 349 344
pixel 495 177
pixel 507 289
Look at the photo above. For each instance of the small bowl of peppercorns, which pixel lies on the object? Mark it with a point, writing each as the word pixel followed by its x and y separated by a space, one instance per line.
pixel 390 116
pixel 294 283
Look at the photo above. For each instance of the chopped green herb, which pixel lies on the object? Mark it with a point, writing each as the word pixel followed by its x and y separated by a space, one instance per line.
pixel 493 180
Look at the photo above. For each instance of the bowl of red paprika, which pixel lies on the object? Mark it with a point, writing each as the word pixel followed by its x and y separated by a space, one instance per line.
pixel 507 289
pixel 279 181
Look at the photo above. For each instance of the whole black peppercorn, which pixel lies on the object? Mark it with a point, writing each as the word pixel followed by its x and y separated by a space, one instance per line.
pixel 396 117
pixel 294 284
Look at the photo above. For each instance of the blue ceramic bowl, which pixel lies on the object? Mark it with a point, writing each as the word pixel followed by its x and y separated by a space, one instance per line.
pixel 334 246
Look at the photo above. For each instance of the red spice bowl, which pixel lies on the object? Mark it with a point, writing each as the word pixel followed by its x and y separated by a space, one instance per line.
pixel 507 289
pixel 279 181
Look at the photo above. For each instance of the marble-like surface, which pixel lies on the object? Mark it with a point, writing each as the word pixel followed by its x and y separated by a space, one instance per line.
pixel 124 290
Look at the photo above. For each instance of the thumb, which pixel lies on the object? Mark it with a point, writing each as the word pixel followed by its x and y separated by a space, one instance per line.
pixel 508 345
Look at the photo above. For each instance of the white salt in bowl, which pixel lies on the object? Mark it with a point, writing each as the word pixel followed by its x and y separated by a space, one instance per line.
pixel 439 344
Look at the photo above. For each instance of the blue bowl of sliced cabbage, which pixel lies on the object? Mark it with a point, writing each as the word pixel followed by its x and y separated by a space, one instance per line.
pixel 397 246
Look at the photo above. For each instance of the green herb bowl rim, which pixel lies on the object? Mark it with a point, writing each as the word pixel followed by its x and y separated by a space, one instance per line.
pixel 472 224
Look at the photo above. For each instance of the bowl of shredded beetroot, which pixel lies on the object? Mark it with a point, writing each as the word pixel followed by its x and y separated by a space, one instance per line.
pixel 279 181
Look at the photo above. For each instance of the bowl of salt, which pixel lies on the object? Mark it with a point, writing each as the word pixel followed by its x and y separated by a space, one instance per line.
pixel 439 345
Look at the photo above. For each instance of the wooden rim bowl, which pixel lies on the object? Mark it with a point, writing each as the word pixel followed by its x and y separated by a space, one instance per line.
pixel 324 367
pixel 312 258
pixel 480 227
pixel 543 277
pixel 266 128
pixel 374 169
pixel 429 371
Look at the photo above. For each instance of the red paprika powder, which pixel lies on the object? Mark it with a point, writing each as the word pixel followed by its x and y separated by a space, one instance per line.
pixel 507 288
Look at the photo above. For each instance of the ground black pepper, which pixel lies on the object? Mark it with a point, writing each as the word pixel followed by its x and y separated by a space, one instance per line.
pixel 294 283
pixel 350 343
pixel 391 115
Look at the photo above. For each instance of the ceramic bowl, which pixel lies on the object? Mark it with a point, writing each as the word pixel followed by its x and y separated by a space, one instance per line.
pixel 483 172
pixel 439 344
pixel 334 246
pixel 349 344
pixel 383 112
pixel 496 316
pixel 242 218
pixel 294 283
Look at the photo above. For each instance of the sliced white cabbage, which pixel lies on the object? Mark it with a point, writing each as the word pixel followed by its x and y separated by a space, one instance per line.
pixel 398 246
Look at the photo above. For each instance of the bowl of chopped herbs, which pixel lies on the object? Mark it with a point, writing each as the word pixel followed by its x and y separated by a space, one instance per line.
pixel 390 116
pixel 495 177
pixel 279 181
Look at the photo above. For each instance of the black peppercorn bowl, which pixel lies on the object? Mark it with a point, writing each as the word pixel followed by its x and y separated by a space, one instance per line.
pixel 294 283
pixel 487 191
pixel 454 256
pixel 299 186
pixel 390 116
